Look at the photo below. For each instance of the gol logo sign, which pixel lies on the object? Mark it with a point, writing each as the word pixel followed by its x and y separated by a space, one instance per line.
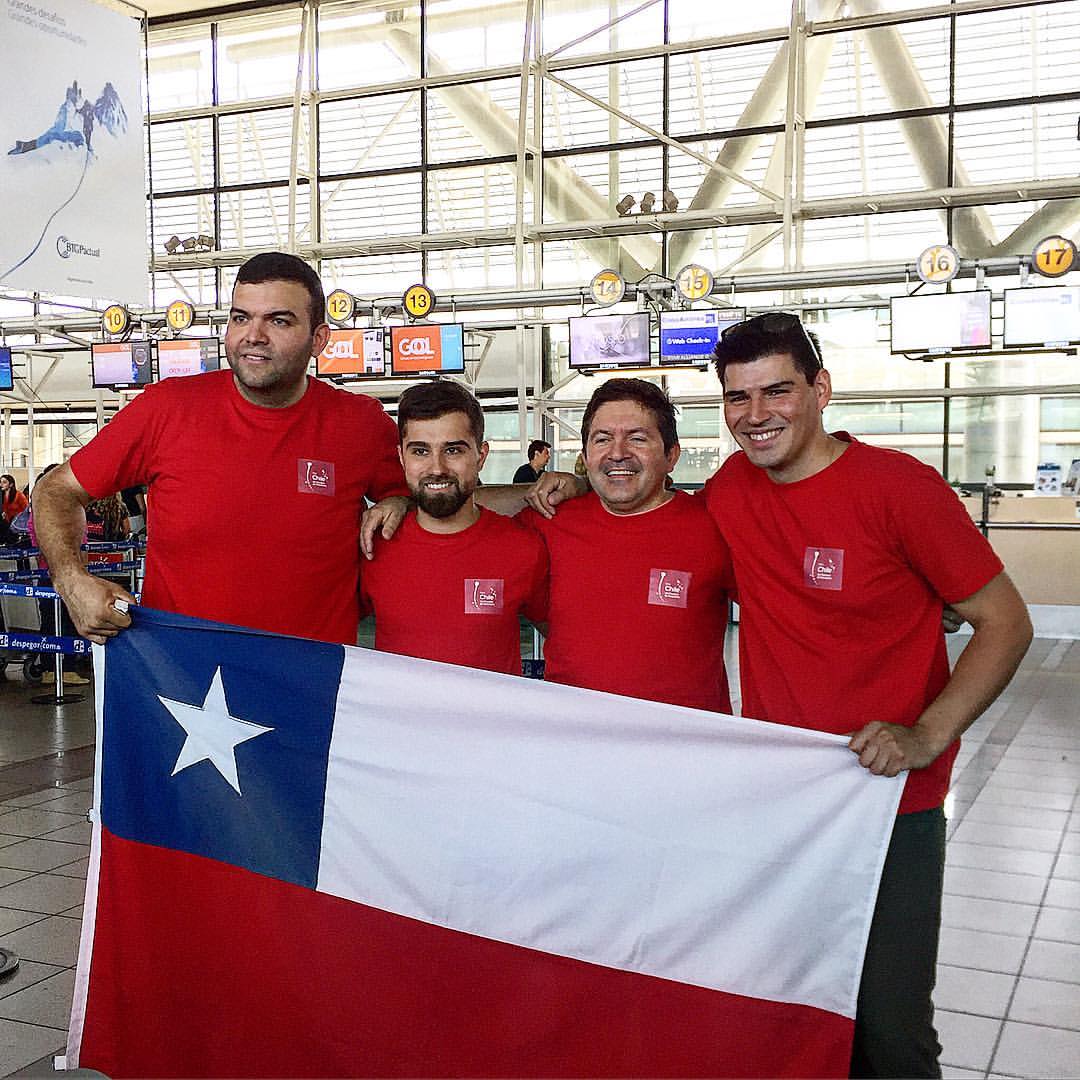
pixel 417 348
pixel 344 353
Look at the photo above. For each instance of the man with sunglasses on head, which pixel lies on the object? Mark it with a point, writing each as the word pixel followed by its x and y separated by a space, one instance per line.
pixel 845 555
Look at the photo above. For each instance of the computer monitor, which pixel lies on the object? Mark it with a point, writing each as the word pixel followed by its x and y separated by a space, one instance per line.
pixel 7 372
pixel 598 342
pixel 120 365
pixel 689 337
pixel 941 323
pixel 188 356
pixel 1036 317
pixel 427 349
pixel 352 354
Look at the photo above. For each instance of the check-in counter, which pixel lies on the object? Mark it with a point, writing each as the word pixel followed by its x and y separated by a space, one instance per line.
pixel 1038 540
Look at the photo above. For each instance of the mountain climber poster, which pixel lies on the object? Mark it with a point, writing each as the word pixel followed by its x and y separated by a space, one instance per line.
pixel 71 150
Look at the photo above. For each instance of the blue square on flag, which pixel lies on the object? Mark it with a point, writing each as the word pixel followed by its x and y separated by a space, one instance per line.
pixel 222 738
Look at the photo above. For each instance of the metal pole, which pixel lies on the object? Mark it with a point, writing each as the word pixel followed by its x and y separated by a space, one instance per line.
pixel 294 147
pixel 519 219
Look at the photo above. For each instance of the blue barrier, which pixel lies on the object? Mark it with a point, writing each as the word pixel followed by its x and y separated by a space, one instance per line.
pixel 38 592
pixel 49 643
pixel 97 545
pixel 97 569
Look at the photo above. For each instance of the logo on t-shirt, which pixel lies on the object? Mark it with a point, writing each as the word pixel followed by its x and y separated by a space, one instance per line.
pixel 669 588
pixel 314 477
pixel 483 596
pixel 823 568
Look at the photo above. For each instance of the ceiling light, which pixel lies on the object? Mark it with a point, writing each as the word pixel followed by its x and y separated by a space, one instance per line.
pixel 671 201
pixel 172 245
pixel 625 205
pixel 648 201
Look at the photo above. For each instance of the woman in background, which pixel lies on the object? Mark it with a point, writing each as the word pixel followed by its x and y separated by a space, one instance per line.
pixel 14 502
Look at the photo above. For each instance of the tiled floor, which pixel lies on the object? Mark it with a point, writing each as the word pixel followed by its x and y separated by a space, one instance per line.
pixel 1008 992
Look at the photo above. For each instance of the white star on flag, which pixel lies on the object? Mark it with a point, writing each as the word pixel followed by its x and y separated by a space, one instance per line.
pixel 213 733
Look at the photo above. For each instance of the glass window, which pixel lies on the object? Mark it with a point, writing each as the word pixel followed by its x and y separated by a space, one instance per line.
pixel 689 20
pixel 182 155
pixel 371 206
pixel 366 44
pixel 712 91
pixel 260 218
pixel 257 55
pixel 371 133
pixel 473 120
pixel 195 286
pixel 257 146
pixel 373 276
pixel 1060 414
pixel 566 21
pixel 479 197
pixel 182 216
pixel 635 88
pixel 1000 432
pixel 181 69
pixel 470 35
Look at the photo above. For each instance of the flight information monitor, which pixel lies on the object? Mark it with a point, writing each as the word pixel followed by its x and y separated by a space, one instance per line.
pixel 609 341
pixel 120 365
pixel 689 337
pixel 188 356
pixel 941 323
pixel 1035 317
pixel 352 354
pixel 427 349
pixel 7 372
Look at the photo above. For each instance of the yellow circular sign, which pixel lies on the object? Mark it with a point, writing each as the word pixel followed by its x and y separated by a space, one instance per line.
pixel 179 315
pixel 418 301
pixel 607 287
pixel 340 306
pixel 693 282
pixel 938 264
pixel 115 319
pixel 1053 256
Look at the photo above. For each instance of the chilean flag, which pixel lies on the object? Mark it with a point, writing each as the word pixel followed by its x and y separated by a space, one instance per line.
pixel 312 860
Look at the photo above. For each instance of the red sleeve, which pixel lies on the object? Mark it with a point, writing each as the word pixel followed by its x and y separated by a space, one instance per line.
pixel 387 476
pixel 536 607
pixel 121 454
pixel 938 537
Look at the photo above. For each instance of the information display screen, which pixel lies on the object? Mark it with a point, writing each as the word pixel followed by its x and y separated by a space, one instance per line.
pixel 188 356
pixel 1042 316
pixel 7 372
pixel 609 341
pixel 944 322
pixel 120 365
pixel 689 337
pixel 427 349
pixel 352 354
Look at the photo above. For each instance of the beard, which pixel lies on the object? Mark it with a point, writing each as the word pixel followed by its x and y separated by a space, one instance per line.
pixel 443 504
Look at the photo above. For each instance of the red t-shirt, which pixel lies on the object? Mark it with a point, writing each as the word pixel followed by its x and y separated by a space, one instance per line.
pixel 842 578
pixel 456 598
pixel 638 603
pixel 253 513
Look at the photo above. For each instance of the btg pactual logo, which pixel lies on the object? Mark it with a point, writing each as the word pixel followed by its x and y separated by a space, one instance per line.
pixel 65 248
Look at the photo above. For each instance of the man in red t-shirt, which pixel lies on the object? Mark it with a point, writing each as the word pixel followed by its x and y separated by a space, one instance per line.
pixel 241 466
pixel 845 555
pixel 639 573
pixel 452 581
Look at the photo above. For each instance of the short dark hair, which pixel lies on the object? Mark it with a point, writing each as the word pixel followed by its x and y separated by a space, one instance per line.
pixel 647 394
pixel 429 401
pixel 764 335
pixel 536 446
pixel 278 266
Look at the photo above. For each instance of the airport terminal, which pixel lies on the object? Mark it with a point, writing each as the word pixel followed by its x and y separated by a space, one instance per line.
pixel 534 200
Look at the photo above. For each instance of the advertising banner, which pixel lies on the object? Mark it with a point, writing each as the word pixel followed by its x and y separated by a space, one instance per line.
pixel 71 151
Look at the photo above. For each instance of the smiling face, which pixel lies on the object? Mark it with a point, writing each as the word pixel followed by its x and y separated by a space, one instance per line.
pixel 442 466
pixel 625 458
pixel 270 341
pixel 774 414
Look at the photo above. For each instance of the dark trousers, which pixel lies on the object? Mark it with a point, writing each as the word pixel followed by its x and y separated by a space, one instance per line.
pixel 894 1022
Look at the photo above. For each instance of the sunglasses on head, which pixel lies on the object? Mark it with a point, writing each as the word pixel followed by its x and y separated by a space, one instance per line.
pixel 772 322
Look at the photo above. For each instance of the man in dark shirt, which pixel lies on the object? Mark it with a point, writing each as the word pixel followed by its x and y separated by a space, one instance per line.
pixel 539 455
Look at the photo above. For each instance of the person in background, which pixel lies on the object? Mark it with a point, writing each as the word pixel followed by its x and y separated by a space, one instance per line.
pixel 12 500
pixel 539 456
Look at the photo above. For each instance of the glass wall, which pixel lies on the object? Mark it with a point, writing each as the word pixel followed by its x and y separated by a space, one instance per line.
pixel 404 160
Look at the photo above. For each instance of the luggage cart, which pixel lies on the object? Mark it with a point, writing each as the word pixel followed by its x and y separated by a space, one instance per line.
pixel 20 614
